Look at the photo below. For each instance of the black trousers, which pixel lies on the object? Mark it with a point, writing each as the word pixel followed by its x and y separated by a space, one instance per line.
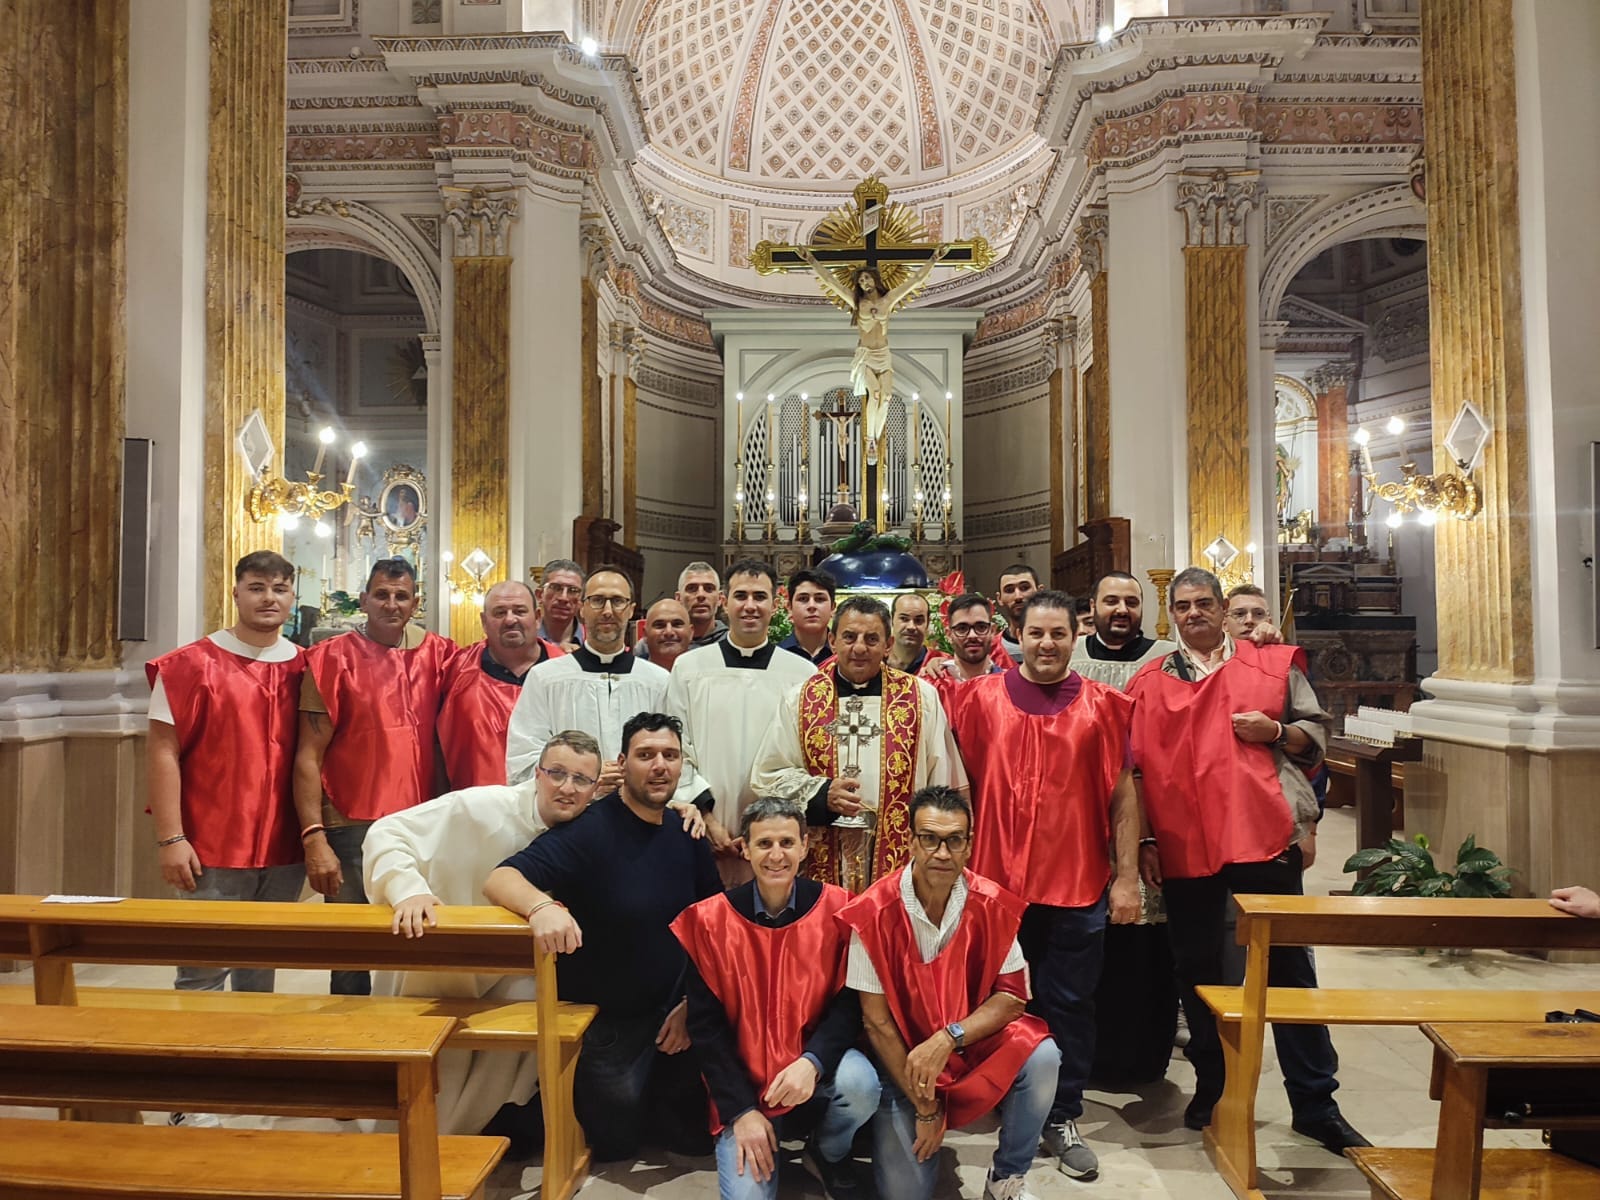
pixel 1196 926
pixel 623 1087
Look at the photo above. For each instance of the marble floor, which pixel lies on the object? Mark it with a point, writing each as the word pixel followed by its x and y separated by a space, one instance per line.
pixel 1144 1149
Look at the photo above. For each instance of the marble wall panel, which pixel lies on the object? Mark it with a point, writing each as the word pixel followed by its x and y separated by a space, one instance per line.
pixel 1218 391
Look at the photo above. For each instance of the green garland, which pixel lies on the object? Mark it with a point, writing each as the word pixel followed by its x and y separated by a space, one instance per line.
pixel 862 540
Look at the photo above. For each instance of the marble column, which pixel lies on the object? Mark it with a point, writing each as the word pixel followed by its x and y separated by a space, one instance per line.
pixel 1055 347
pixel 480 392
pixel 633 346
pixel 1093 234
pixel 244 276
pixel 63 286
pixel 1330 385
pixel 591 399
pixel 1215 205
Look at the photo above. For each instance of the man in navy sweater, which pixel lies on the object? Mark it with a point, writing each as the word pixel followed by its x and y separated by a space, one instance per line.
pixel 604 890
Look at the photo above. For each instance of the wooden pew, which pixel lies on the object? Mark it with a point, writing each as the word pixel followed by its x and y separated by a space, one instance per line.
pixel 54 937
pixel 297 1066
pixel 1478 1070
pixel 1243 1013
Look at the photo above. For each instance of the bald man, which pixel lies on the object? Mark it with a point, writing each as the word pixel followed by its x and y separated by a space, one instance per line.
pixel 484 684
pixel 666 632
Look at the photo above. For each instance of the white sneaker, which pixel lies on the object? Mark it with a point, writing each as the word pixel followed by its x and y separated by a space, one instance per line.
pixel 1073 1157
pixel 195 1120
pixel 1013 1188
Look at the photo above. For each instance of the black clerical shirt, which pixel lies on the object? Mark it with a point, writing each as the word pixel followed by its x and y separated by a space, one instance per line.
pixel 1132 651
pixel 716 1045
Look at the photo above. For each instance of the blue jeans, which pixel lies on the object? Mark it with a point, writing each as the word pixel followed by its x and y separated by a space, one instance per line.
pixel 1196 922
pixel 239 883
pixel 839 1107
pixel 900 1176
pixel 1065 948
pixel 345 841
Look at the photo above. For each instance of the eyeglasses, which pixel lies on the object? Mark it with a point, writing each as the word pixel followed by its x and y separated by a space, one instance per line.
pixel 563 589
pixel 955 842
pixel 560 775
pixel 981 629
pixel 614 602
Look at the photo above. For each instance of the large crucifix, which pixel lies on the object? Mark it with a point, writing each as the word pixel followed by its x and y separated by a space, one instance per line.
pixel 871 257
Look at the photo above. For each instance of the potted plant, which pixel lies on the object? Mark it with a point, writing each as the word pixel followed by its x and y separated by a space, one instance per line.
pixel 1406 868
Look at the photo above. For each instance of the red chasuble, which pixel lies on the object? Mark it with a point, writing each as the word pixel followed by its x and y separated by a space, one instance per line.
pixel 383 703
pixel 901 719
pixel 774 984
pixel 474 717
pixel 1212 799
pixel 1041 787
pixel 925 997
pixel 236 719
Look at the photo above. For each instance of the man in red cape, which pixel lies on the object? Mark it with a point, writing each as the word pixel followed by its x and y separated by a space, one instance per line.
pixel 485 682
pixel 1047 755
pixel 943 987
pixel 368 707
pixel 1222 732
pixel 789 1066
pixel 221 759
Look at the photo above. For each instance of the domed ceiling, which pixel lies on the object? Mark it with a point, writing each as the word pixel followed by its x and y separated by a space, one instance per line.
pixel 803 94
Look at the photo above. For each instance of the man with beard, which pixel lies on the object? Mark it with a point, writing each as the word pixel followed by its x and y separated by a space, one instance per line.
pixel 595 688
pixel 1117 648
pixel 558 602
pixel 970 626
pixel 666 632
pixel 1222 732
pixel 604 891
pixel 1017 583
pixel 727 695
pixel 856 741
pixel 700 593
pixel 369 705
pixel 811 597
pixel 485 683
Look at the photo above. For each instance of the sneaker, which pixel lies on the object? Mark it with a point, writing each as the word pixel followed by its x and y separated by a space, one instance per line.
pixel 1073 1158
pixel 840 1180
pixel 1012 1188
pixel 195 1120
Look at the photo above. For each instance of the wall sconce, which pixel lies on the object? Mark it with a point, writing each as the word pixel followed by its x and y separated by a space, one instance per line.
pixel 1229 564
pixel 290 502
pixel 1450 492
pixel 477 565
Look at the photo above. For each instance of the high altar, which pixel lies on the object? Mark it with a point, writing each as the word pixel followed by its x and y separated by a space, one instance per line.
pixel 791 487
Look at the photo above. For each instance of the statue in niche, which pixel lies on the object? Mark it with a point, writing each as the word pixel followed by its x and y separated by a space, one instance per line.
pixel 1286 468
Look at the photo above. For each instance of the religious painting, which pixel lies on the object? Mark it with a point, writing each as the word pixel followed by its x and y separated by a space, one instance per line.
pixel 392 372
pixel 402 507
pixel 400 513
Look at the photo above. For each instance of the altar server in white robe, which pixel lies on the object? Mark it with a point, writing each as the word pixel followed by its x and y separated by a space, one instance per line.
pixel 596 688
pixel 858 737
pixel 727 694
pixel 439 853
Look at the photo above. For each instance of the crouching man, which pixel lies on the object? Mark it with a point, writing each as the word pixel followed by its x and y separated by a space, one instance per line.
pixel 943 988
pixel 772 1069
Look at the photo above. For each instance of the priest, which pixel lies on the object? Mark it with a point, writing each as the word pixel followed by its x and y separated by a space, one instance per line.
pixel 854 742
pixel 596 688
pixel 1118 647
pixel 727 695
pixel 485 683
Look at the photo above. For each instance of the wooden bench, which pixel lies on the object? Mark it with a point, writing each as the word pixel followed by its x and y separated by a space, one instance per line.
pixel 1403 1174
pixel 1243 1013
pixel 55 937
pixel 298 1066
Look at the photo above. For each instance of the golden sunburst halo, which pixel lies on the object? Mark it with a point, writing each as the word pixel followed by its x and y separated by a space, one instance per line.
pixel 898 227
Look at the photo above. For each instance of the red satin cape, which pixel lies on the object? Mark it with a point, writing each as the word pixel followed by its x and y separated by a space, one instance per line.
pixel 474 717
pixel 1041 787
pixel 1212 799
pixel 925 997
pixel 236 719
pixel 383 703
pixel 774 984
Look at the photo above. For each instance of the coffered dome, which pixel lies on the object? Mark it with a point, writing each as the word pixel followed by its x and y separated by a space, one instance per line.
pixel 801 93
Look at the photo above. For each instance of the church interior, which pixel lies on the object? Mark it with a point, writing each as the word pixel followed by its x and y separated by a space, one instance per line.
pixel 1288 289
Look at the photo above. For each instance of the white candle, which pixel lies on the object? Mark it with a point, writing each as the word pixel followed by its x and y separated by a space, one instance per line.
pixel 912 432
pixel 772 434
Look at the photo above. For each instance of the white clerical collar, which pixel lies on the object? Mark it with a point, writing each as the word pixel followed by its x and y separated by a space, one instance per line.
pixel 749 652
pixel 606 658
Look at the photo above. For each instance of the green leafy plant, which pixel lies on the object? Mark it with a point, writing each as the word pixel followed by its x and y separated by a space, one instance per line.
pixel 863 539
pixel 343 604
pixel 1406 868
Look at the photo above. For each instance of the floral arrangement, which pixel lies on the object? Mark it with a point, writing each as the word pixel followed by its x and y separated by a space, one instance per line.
pixel 862 540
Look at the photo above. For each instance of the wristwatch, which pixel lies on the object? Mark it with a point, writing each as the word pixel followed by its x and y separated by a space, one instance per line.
pixel 957 1034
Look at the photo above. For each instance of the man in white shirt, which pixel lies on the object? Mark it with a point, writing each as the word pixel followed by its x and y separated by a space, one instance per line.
pixel 727 696
pixel 596 688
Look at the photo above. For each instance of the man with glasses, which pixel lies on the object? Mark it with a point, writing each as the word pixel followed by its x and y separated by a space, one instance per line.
pixel 559 595
pixel 1047 753
pixel 727 695
pixel 595 688
pixel 369 704
pixel 944 989
pixel 970 624
pixel 440 853
pixel 1222 733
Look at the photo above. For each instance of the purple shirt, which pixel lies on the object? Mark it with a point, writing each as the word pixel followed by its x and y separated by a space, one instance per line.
pixel 1048 699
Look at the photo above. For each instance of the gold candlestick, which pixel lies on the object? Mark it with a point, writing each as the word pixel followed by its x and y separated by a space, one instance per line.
pixel 1162 578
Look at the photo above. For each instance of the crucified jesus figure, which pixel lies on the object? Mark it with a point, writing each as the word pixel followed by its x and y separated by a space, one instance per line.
pixel 872 369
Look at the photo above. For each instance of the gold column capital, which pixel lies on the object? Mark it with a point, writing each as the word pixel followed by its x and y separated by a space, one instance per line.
pixel 1331 375
pixel 480 218
pixel 1092 235
pixel 1215 205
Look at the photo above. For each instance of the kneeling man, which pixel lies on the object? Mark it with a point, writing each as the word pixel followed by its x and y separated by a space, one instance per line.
pixel 790 1067
pixel 440 853
pixel 949 1029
